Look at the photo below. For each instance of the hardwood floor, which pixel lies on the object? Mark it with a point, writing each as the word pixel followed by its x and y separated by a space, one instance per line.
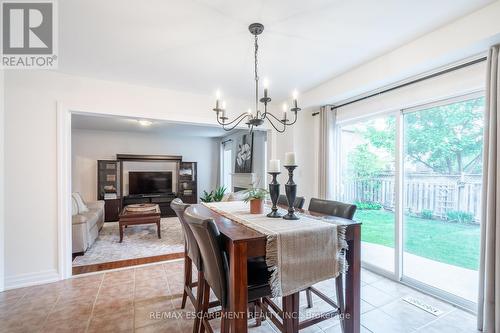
pixel 125 263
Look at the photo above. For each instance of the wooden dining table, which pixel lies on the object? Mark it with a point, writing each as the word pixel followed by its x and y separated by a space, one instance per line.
pixel 242 243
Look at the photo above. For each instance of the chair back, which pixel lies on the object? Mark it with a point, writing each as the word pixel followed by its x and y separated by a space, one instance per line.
pixel 332 208
pixel 192 249
pixel 215 264
pixel 299 201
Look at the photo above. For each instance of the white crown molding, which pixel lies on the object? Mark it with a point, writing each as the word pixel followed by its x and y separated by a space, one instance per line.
pixel 31 279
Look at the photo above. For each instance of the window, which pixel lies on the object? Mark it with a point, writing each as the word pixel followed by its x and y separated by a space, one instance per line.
pixel 227 167
pixel 367 180
pixel 441 194
pixel 415 175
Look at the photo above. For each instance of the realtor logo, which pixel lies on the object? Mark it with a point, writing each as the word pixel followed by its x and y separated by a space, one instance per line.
pixel 29 34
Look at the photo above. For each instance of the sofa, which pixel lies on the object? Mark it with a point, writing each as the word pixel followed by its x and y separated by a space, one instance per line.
pixel 87 221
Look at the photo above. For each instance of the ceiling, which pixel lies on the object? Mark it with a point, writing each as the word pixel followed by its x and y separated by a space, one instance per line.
pixel 200 46
pixel 122 124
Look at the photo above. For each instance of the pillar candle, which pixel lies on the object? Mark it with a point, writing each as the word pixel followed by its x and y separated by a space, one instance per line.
pixel 274 166
pixel 290 159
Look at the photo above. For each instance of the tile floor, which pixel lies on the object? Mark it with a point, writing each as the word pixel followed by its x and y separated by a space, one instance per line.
pixel 147 299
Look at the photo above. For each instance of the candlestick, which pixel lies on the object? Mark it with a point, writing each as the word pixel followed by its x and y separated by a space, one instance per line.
pixel 295 95
pixel 290 159
pixel 274 192
pixel 274 166
pixel 291 194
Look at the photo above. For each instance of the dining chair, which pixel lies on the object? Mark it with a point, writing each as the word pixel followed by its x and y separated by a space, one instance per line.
pixel 191 256
pixel 332 208
pixel 216 270
pixel 338 209
pixel 299 201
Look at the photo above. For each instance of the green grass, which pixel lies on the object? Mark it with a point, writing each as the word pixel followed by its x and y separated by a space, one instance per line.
pixel 451 243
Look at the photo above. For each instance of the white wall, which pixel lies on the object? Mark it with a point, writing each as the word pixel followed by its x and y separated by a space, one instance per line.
pixel 458 40
pixel 88 146
pixel 2 209
pixel 31 98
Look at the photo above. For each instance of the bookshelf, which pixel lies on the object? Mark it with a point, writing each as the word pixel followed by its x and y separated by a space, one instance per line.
pixel 187 180
pixel 109 187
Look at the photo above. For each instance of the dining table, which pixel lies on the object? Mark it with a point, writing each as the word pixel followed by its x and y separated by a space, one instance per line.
pixel 241 243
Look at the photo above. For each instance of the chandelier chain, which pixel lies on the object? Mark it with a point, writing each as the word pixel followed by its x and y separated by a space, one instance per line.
pixel 256 76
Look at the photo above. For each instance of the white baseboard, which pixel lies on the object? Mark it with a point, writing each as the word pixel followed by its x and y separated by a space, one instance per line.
pixel 31 279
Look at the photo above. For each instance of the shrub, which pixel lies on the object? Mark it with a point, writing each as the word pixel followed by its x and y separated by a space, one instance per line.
pixel 459 216
pixel 368 205
pixel 427 214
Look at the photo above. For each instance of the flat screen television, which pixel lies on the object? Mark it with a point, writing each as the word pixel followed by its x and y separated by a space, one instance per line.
pixel 141 182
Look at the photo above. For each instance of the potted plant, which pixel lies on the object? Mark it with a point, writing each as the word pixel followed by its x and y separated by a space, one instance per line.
pixel 214 196
pixel 256 198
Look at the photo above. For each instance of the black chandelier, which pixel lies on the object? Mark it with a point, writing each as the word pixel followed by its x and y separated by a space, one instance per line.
pixel 257 118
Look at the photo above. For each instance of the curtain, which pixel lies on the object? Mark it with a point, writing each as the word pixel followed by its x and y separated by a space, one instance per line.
pixel 328 119
pixel 489 268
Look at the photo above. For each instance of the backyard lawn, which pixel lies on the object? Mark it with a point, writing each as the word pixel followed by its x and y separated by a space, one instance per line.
pixel 447 242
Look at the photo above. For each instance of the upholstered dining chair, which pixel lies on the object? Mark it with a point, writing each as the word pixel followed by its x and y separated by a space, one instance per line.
pixel 191 253
pixel 338 209
pixel 299 201
pixel 332 208
pixel 216 270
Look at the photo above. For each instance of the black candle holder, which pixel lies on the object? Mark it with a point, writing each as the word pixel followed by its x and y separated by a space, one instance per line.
pixel 274 191
pixel 291 193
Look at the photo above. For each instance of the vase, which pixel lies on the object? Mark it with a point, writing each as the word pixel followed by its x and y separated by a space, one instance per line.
pixel 256 206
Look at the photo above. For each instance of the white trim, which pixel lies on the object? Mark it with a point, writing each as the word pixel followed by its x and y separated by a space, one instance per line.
pixel 64 192
pixel 31 279
pixel 475 93
pixel 399 197
pixel 403 82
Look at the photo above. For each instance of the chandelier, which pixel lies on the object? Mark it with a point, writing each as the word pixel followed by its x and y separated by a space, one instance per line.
pixel 256 118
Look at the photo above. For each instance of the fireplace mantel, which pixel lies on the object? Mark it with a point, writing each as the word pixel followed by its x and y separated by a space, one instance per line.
pixel 243 180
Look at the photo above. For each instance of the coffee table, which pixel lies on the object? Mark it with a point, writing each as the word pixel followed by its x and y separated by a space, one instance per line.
pixel 139 214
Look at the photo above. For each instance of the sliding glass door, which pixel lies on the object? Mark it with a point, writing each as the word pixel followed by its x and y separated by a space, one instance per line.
pixel 367 179
pixel 441 194
pixel 415 176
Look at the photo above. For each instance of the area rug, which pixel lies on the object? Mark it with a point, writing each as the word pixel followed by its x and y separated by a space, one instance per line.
pixel 139 241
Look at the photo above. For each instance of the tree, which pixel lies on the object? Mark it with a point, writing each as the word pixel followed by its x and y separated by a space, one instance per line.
pixel 446 139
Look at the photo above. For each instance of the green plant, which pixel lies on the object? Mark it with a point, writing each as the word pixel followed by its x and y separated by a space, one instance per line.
pixel 459 216
pixel 255 194
pixel 427 214
pixel 368 205
pixel 219 193
pixel 207 197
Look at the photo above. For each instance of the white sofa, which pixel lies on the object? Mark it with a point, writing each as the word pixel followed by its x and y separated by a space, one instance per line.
pixel 87 220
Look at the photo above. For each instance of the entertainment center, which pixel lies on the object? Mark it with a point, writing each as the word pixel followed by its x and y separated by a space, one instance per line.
pixel 153 187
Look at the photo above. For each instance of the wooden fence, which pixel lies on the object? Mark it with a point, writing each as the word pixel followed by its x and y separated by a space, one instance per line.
pixel 422 191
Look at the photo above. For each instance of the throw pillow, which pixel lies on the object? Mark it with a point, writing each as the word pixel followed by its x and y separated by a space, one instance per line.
pixel 82 208
pixel 74 207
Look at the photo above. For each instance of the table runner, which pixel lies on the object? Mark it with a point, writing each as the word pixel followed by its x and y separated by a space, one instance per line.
pixel 299 253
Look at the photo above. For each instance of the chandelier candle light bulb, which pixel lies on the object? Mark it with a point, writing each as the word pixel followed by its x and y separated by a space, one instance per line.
pixel 295 96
